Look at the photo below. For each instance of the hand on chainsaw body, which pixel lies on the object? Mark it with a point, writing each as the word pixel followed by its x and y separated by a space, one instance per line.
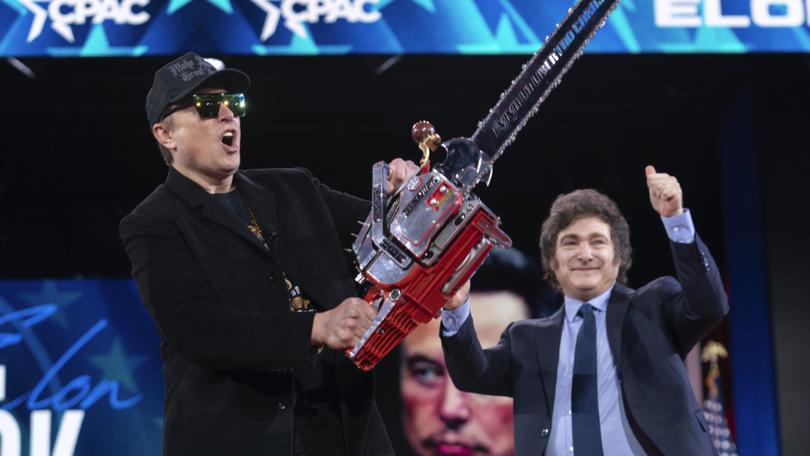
pixel 342 327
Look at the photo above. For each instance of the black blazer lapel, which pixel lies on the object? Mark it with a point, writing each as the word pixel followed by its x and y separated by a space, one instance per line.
pixel 196 196
pixel 548 353
pixel 263 203
pixel 616 310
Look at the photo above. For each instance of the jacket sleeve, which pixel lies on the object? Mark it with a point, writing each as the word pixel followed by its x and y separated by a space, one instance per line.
pixel 190 318
pixel 697 302
pixel 474 369
pixel 347 211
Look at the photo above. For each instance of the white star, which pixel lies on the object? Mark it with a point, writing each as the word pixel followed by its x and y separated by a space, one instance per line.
pixel 296 27
pixel 40 14
pixel 63 29
pixel 39 19
pixel 271 21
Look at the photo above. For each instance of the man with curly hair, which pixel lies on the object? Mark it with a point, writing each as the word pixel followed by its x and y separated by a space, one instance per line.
pixel 605 373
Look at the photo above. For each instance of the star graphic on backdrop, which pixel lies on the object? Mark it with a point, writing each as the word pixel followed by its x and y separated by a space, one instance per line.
pixel 117 365
pixel 273 14
pixel 97 45
pixel 40 15
pixel 224 5
pixel 271 19
pixel 50 294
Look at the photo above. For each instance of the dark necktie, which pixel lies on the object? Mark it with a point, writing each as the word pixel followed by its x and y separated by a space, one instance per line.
pixel 584 389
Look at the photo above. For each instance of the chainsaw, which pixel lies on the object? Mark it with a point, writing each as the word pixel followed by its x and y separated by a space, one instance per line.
pixel 420 244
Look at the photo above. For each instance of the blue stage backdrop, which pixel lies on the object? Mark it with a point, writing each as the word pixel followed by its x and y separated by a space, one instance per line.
pixel 309 27
pixel 81 373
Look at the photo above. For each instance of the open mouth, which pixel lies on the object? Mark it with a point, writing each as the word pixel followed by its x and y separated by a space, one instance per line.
pixel 441 446
pixel 450 449
pixel 227 138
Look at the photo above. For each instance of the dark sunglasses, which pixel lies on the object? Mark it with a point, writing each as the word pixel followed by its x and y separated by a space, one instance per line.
pixel 207 104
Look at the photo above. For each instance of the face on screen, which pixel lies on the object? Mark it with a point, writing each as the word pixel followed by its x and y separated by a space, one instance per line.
pixel 438 418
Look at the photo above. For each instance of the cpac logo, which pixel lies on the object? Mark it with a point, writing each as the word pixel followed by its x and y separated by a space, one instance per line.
pixel 298 12
pixel 764 13
pixel 64 13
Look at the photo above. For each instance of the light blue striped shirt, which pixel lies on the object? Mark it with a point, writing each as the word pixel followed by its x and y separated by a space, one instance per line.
pixel 617 437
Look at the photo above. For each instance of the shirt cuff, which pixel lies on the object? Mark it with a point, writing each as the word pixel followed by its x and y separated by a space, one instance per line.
pixel 680 228
pixel 453 319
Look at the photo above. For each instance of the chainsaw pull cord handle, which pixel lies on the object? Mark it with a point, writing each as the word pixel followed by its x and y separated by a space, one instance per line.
pixel 424 134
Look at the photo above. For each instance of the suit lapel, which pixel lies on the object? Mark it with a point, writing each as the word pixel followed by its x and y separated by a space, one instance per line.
pixel 548 352
pixel 548 338
pixel 616 310
pixel 196 196
pixel 263 203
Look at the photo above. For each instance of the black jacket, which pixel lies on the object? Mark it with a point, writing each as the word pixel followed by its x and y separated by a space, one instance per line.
pixel 230 345
pixel 650 331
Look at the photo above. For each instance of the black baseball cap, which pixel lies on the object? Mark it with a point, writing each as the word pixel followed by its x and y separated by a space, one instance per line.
pixel 182 76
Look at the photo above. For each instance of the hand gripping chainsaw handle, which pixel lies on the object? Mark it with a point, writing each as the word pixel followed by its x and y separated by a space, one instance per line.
pixel 420 245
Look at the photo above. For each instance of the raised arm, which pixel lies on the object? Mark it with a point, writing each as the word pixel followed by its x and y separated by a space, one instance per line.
pixel 697 302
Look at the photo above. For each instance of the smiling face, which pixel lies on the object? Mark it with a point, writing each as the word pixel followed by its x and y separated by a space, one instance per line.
pixel 438 418
pixel 206 151
pixel 585 263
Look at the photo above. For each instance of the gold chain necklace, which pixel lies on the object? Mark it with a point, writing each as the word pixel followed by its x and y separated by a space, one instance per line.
pixel 298 303
pixel 253 226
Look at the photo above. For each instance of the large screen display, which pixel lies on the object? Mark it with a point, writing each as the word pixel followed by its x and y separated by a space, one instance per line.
pixel 80 371
pixel 311 27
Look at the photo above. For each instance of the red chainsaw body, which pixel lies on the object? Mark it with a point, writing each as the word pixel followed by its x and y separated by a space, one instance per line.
pixel 417 255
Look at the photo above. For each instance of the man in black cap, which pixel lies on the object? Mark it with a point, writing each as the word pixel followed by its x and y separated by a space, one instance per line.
pixel 246 279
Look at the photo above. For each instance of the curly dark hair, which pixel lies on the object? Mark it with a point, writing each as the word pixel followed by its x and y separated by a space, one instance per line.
pixel 570 207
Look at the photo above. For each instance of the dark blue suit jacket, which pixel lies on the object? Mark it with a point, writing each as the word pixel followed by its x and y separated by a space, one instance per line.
pixel 650 331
